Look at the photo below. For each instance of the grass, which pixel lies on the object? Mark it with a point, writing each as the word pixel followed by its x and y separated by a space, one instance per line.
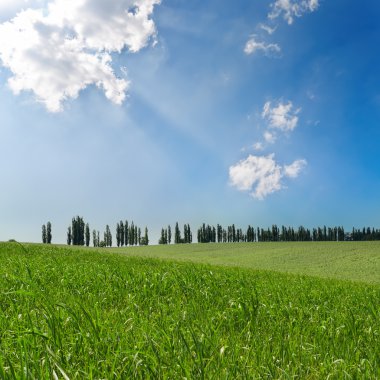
pixel 353 261
pixel 72 313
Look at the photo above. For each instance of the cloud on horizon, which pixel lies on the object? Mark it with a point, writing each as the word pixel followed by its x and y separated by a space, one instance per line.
pixel 58 51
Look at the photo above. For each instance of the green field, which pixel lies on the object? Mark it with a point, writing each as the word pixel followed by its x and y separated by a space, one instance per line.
pixel 354 261
pixel 72 313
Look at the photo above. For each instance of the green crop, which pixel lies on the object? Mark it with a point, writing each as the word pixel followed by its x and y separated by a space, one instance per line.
pixel 72 313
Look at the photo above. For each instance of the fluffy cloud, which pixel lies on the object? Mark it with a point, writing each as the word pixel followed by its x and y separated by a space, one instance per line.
pixel 262 175
pixel 270 137
pixel 12 7
pixel 281 116
pixel 258 146
pixel 58 51
pixel 252 46
pixel 293 170
pixel 289 9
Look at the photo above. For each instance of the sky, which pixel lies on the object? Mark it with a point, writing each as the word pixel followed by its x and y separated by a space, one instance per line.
pixel 246 112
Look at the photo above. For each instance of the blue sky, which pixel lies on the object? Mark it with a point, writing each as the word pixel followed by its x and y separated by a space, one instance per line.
pixel 245 112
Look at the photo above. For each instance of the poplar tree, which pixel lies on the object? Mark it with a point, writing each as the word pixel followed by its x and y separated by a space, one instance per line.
pixel 87 235
pixel 94 240
pixel 78 231
pixel 131 234
pixel 69 236
pixel 118 234
pixel 48 233
pixel 121 233
pixel 108 237
pixel 43 234
pixel 177 234
pixel 162 238
pixel 126 241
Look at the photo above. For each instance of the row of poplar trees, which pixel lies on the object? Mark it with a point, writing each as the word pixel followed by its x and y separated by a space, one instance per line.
pixel 166 235
pixel 78 233
pixel 129 234
pixel 46 233
pixel 210 234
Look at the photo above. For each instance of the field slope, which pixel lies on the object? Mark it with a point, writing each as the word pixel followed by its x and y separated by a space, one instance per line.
pixel 74 313
pixel 353 261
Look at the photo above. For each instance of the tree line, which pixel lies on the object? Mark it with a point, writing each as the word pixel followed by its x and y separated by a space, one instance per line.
pixel 129 234
pixel 78 233
pixel 46 233
pixel 232 234
pixel 166 235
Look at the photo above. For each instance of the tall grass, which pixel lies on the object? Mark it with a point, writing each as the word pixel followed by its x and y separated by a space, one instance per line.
pixel 72 313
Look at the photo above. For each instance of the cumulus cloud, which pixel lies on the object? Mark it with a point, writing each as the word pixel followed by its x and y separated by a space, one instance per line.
pixel 10 8
pixel 262 175
pixel 293 170
pixel 259 174
pixel 252 46
pixel 289 9
pixel 270 137
pixel 281 116
pixel 56 52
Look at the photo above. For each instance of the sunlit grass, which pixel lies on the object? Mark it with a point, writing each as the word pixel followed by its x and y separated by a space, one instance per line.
pixel 354 261
pixel 77 313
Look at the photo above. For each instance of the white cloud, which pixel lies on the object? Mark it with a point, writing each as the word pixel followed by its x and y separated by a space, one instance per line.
pixel 282 116
pixel 270 137
pixel 289 9
pixel 9 8
pixel 252 46
pixel 262 175
pixel 58 51
pixel 258 173
pixel 267 28
pixel 293 170
pixel 258 146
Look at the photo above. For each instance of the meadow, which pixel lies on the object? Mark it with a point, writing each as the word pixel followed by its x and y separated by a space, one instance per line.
pixel 353 261
pixel 167 313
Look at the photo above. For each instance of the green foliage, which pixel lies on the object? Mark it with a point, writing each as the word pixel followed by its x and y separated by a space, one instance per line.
pixel 69 235
pixel 177 234
pixel 48 233
pixel 78 313
pixel 145 239
pixel 108 236
pixel 87 235
pixel 164 236
pixel 77 231
pixel 44 234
